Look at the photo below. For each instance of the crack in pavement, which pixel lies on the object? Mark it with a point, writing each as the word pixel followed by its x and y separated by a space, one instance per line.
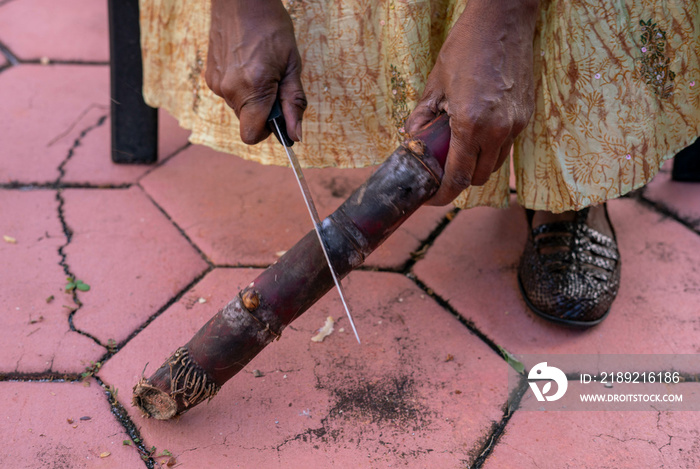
pixel 125 421
pixel 179 229
pixel 490 440
pixel 75 122
pixel 29 186
pixel 7 53
pixel 668 212
pixel 67 231
pixel 42 376
pixel 162 160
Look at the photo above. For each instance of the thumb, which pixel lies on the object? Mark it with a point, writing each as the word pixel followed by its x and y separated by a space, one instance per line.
pixel 428 109
pixel 253 117
pixel 421 116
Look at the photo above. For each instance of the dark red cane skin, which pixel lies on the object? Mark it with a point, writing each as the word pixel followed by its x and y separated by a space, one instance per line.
pixel 287 288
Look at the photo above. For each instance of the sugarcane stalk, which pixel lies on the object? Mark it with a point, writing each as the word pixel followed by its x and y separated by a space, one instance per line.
pixel 260 312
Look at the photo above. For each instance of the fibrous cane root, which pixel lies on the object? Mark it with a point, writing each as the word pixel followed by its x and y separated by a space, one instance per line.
pixel 189 385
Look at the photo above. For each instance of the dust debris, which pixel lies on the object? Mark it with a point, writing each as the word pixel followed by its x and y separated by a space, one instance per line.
pixel 9 239
pixel 280 253
pixel 202 300
pixel 325 331
pixel 105 454
pixel 257 374
pixel 44 60
pixel 385 401
pixel 449 357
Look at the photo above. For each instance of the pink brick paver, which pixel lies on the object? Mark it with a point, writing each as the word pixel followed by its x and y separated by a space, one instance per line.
pixel 603 440
pixel 395 400
pixel 130 254
pixel 37 433
pixel 91 162
pixel 44 109
pixel 473 265
pixel 681 198
pixel 66 30
pixel 34 334
pixel 243 213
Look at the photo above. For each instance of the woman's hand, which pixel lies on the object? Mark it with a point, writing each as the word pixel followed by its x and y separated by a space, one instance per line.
pixel 252 58
pixel 483 80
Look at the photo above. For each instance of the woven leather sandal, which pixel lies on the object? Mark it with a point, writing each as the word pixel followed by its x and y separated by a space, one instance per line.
pixel 569 273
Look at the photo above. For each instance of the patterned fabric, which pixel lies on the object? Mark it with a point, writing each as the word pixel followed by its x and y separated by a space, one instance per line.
pixel 617 89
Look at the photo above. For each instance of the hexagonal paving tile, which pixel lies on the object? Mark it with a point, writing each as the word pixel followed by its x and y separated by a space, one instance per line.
pixel 44 111
pixel 91 162
pixel 420 391
pixel 61 425
pixel 606 440
pixel 66 30
pixel 34 331
pixel 130 254
pixel 680 198
pixel 473 265
pixel 242 213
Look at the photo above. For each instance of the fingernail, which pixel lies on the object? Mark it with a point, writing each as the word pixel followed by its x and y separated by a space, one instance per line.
pixel 298 131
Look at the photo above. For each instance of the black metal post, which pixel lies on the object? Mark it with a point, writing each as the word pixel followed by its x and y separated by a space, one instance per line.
pixel 686 164
pixel 134 123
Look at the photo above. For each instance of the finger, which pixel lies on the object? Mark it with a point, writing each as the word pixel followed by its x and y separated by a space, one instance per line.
pixel 485 163
pixel 293 100
pixel 506 149
pixel 253 118
pixel 492 139
pixel 459 168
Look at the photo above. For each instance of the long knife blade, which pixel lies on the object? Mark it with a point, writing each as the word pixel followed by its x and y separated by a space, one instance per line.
pixel 303 185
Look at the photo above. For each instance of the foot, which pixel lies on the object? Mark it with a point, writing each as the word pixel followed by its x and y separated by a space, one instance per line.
pixel 570 270
pixel 596 219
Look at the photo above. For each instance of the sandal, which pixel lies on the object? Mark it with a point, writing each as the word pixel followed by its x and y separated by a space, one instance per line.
pixel 569 273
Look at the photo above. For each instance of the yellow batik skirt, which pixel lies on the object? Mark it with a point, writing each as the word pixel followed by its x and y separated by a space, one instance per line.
pixel 617 89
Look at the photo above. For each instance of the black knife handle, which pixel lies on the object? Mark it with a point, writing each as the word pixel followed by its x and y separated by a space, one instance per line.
pixel 276 115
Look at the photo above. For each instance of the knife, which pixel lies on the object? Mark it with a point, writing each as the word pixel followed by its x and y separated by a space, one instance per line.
pixel 278 126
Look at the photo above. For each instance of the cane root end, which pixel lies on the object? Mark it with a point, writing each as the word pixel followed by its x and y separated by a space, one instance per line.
pixel 153 402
